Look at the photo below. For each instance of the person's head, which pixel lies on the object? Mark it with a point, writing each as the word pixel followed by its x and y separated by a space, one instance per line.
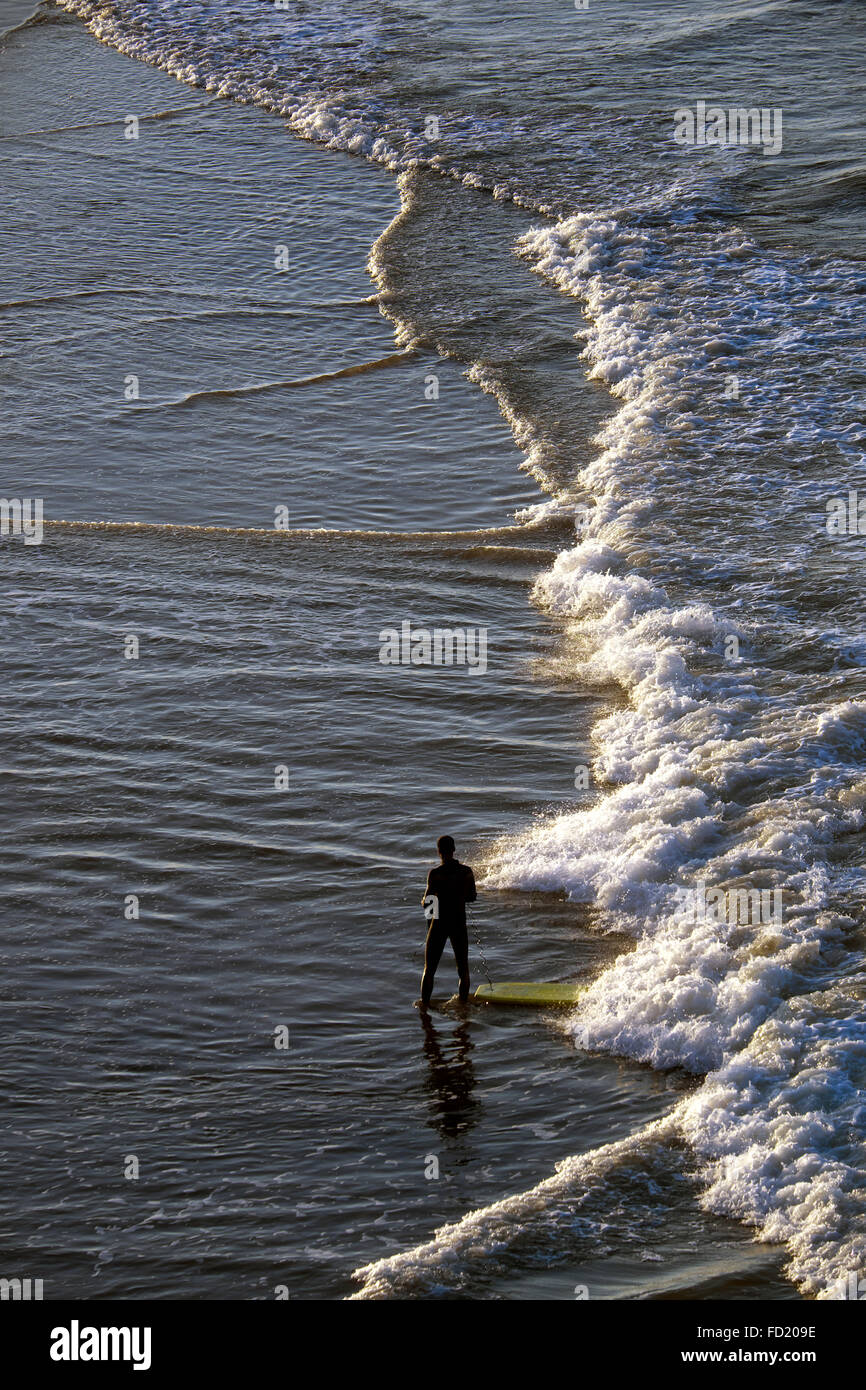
pixel 445 846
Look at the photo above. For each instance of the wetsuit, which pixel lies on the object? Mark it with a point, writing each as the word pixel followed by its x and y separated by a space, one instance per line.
pixel 453 884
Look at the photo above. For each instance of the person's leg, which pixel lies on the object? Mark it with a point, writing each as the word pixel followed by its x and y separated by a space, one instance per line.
pixel 433 948
pixel 460 944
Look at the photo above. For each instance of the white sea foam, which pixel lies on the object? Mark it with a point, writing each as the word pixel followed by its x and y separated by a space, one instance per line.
pixel 201 48
pixel 691 753
pixel 779 1127
pixel 704 774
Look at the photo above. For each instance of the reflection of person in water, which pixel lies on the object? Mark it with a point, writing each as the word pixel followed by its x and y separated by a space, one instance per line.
pixel 452 1078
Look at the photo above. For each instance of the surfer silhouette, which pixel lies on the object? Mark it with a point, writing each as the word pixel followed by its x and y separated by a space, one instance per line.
pixel 450 886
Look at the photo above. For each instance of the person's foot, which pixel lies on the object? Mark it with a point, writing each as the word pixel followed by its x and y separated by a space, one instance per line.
pixel 422 1004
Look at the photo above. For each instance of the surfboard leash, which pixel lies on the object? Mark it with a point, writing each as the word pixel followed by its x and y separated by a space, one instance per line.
pixel 477 935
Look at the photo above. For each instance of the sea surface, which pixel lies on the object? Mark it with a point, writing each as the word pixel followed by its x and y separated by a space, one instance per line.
pixel 322 319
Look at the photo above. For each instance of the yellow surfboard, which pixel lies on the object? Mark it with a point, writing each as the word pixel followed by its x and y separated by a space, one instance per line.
pixel 526 992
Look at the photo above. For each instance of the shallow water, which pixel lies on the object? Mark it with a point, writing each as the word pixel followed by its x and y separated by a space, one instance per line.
pixel 520 418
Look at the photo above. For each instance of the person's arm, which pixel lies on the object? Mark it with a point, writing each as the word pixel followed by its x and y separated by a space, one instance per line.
pixel 427 889
pixel 471 894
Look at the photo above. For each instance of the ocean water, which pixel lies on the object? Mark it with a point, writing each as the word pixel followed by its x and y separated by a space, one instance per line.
pixel 386 314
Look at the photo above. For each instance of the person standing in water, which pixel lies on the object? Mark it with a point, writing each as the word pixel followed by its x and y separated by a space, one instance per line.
pixel 452 885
